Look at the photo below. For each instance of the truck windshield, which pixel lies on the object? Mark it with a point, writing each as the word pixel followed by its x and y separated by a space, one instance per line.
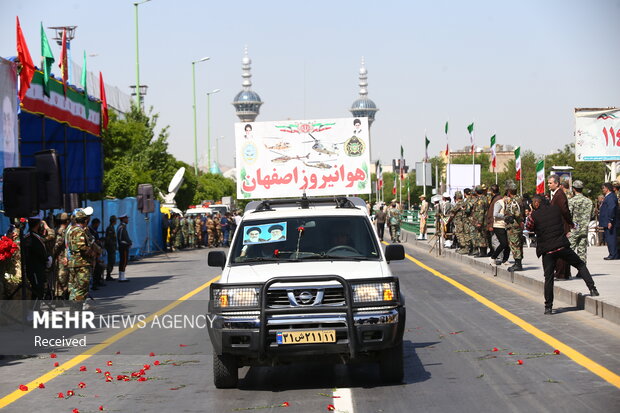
pixel 305 238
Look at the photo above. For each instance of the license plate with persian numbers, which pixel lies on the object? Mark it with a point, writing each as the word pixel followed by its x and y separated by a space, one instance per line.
pixel 306 337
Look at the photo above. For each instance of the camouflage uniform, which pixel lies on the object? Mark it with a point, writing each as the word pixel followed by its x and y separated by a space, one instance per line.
pixel 457 214
pixel 79 261
pixel 60 256
pixel 217 231
pixel 198 230
pixel 176 234
pixel 210 230
pixel 191 234
pixel 478 221
pixel 394 218
pixel 514 208
pixel 581 211
pixel 467 227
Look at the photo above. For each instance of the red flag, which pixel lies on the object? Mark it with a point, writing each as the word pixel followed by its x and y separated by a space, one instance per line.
pixel 27 71
pixel 104 103
pixel 394 188
pixel 64 68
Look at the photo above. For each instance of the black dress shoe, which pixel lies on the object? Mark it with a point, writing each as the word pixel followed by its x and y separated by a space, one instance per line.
pixel 548 310
pixel 594 292
pixel 110 279
pixel 610 258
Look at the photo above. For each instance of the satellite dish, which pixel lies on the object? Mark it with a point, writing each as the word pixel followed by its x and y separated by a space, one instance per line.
pixel 177 180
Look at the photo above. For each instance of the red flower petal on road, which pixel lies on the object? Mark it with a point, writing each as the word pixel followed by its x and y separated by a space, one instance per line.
pixel 75 411
pixel 146 366
pixel 107 373
pixel 97 370
pixel 61 396
pixel 119 377
pixel 519 362
pixel 70 393
pixel 182 345
pixel 23 388
pixel 101 408
pixel 511 353
pixel 118 352
pixel 156 362
pixel 82 368
pixel 41 385
pixel 126 379
pixel 285 404
pixel 56 364
pixel 331 407
pixel 556 351
pixel 151 354
pixel 142 378
pixel 53 355
pixel 109 363
pixel 495 349
pixel 108 378
pixel 81 385
pixel 142 372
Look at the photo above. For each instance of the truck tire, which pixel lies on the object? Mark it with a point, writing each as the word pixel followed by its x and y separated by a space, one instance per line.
pixel 225 371
pixel 391 369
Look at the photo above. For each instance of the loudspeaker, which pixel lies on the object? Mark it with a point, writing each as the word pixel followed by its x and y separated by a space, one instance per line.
pixel 48 169
pixel 20 192
pixel 146 203
pixel 70 202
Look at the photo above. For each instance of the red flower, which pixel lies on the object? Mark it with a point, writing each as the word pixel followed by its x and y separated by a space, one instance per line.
pixel 118 352
pixel 556 351
pixel 142 372
pixel 120 377
pixel 109 363
pixel 81 385
pixel 151 354
pixel 182 345
pixel 135 374
pixel 97 370
pixel 146 366
pixel 331 407
pixel 519 362
pixel 70 393
pixel 101 408
pixel 61 396
pixel 108 378
pixel 126 378
pixel 22 220
pixel 107 373
pixel 495 349
pixel 23 388
pixel 285 404
pixel 41 385
pixel 276 253
pixel 75 411
pixel 142 378
pixel 56 364
pixel 300 229
pixel 53 355
pixel 82 368
pixel 511 353
pixel 156 362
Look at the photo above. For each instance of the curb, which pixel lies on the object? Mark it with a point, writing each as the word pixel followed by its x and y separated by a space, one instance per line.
pixel 595 306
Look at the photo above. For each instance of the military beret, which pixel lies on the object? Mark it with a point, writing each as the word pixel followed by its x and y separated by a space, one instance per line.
pixel 578 184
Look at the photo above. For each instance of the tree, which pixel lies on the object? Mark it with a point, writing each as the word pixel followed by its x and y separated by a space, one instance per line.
pixel 592 174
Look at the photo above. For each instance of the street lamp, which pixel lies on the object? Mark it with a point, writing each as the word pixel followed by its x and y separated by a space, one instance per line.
pixel 194 107
pixel 209 125
pixel 138 97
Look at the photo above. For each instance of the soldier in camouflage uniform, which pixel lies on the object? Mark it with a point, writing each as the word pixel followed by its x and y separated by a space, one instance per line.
pixel 217 230
pixel 198 231
pixel 467 205
pixel 394 218
pixel 79 256
pixel 178 232
pixel 191 233
pixel 582 211
pixel 478 221
pixel 210 231
pixel 457 216
pixel 60 258
pixel 514 218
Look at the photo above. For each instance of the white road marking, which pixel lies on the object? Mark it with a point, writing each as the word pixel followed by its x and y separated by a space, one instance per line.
pixel 343 400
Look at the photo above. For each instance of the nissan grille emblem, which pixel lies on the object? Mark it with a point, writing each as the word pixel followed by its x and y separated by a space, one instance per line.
pixel 305 297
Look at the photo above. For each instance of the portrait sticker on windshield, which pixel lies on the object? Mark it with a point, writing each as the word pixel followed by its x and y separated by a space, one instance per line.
pixel 273 232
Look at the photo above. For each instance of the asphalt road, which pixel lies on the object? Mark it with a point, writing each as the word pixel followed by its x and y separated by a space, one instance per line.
pixel 450 362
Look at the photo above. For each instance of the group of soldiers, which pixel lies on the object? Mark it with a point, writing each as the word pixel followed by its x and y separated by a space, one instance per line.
pixel 200 230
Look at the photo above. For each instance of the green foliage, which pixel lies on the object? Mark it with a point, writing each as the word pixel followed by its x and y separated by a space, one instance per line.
pixel 592 174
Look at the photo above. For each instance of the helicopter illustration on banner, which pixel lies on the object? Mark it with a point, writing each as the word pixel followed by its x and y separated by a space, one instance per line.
pixel 319 164
pixel 320 148
pixel 279 146
pixel 285 158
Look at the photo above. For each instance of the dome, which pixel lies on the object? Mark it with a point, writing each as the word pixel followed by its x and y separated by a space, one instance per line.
pixel 246 96
pixel 364 103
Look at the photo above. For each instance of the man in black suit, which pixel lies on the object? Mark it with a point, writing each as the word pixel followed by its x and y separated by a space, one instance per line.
pixel 552 244
pixel 607 220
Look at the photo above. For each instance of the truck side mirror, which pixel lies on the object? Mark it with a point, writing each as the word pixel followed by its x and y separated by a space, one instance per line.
pixel 216 259
pixel 394 252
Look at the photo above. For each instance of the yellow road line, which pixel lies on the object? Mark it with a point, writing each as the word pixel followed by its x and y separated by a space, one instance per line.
pixel 568 351
pixel 17 394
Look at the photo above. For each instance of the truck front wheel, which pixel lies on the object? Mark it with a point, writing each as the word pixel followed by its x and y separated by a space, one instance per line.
pixel 225 371
pixel 391 369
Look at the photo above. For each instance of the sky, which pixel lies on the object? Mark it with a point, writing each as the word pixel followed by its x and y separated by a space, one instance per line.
pixel 516 69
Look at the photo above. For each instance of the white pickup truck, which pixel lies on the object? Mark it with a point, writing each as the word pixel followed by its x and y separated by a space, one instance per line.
pixel 306 278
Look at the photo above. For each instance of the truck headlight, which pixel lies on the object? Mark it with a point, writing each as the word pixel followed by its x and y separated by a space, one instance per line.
pixel 236 297
pixel 363 293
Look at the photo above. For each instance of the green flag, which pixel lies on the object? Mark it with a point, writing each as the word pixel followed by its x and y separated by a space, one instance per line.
pixel 426 142
pixel 402 152
pixel 48 60
pixel 446 127
pixel 84 86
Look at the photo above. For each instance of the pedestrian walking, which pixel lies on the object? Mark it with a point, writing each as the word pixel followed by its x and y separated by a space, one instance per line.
pixel 607 220
pixel 558 198
pixel 124 243
pixel 110 245
pixel 552 245
pixel 394 217
pixel 380 218
pixel 581 211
